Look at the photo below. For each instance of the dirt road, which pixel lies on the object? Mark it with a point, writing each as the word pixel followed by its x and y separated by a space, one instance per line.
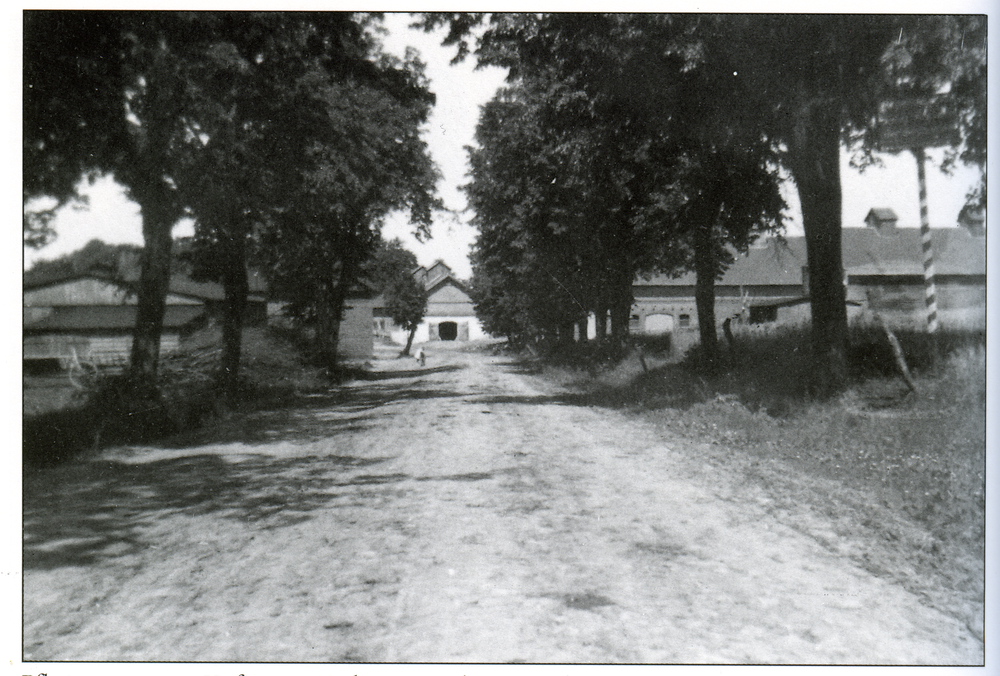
pixel 465 514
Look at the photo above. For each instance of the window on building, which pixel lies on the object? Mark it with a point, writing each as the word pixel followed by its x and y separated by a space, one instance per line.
pixel 684 321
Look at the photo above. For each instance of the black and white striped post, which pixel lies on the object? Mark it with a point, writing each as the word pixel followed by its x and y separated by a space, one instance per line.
pixel 916 124
pixel 930 293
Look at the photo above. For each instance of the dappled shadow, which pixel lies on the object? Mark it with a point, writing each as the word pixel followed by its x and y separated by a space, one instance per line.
pixel 83 512
pixel 408 373
pixel 308 418
pixel 523 368
pixel 561 399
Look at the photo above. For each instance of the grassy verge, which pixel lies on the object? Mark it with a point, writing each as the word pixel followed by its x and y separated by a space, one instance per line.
pixel 274 371
pixel 902 474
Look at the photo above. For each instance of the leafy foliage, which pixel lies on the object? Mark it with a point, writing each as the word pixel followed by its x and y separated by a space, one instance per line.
pixel 590 188
pixel 243 119
pixel 391 273
pixel 804 83
pixel 111 260
pixel 364 160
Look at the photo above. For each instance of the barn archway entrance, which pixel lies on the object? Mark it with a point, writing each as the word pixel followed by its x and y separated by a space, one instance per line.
pixel 448 330
pixel 657 324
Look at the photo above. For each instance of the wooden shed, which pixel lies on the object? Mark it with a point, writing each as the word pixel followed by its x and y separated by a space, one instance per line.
pixel 94 316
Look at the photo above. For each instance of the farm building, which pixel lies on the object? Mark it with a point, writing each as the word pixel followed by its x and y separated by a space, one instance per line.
pixel 883 271
pixel 450 313
pixel 356 338
pixel 94 316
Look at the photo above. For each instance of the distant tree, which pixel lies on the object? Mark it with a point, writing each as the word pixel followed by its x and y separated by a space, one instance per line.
pixel 717 200
pixel 407 304
pixel 534 262
pixel 391 272
pixel 116 261
pixel 366 160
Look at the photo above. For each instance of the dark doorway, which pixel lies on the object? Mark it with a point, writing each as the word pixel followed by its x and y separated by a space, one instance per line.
pixel 448 330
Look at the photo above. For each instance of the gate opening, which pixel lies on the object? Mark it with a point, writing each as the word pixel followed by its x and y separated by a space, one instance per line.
pixel 448 330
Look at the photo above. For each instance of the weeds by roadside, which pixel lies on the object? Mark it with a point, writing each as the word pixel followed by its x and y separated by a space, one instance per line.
pixel 273 372
pixel 913 464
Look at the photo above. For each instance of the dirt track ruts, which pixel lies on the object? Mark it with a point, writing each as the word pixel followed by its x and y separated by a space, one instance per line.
pixel 462 515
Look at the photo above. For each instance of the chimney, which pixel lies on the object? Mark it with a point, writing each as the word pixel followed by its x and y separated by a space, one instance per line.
pixel 882 219
pixel 973 219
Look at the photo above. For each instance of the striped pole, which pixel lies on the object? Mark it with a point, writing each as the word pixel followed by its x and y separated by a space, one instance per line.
pixel 930 295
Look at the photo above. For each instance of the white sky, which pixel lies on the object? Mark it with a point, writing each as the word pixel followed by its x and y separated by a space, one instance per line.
pixel 460 90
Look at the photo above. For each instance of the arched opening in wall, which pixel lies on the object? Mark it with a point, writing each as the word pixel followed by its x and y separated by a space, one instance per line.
pixel 448 330
pixel 658 324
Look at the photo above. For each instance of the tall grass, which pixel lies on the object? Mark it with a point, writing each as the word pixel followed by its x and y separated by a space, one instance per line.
pixel 273 370
pixel 899 475
pixel 925 451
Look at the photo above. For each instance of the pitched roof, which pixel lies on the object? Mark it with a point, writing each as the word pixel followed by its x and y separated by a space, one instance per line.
pixel 185 286
pixel 110 318
pixel 448 279
pixel 56 280
pixel 774 263
pixel 956 252
pixel 866 251
pixel 179 284
pixel 881 215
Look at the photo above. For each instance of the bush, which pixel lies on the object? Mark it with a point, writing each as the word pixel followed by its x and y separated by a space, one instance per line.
pixel 113 412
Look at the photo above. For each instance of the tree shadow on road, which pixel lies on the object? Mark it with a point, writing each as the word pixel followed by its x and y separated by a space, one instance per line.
pixel 83 512
pixel 309 418
pixel 408 373
pixel 561 399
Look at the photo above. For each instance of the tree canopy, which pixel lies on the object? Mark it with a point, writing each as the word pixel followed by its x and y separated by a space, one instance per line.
pixel 367 159
pixel 807 84
pixel 591 189
pixel 238 118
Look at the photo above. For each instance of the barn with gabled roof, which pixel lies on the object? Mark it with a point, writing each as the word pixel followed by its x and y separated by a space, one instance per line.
pixel 883 271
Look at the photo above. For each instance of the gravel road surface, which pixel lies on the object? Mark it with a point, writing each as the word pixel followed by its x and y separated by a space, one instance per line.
pixel 465 512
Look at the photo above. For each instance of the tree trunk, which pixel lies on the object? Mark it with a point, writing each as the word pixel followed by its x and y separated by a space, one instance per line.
pixel 236 289
pixel 145 176
pixel 409 342
pixel 705 265
pixel 566 330
pixel 814 158
pixel 154 282
pixel 619 322
pixel 329 309
pixel 601 325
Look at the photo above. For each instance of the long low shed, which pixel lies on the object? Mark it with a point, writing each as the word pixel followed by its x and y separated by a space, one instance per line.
pixel 101 334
